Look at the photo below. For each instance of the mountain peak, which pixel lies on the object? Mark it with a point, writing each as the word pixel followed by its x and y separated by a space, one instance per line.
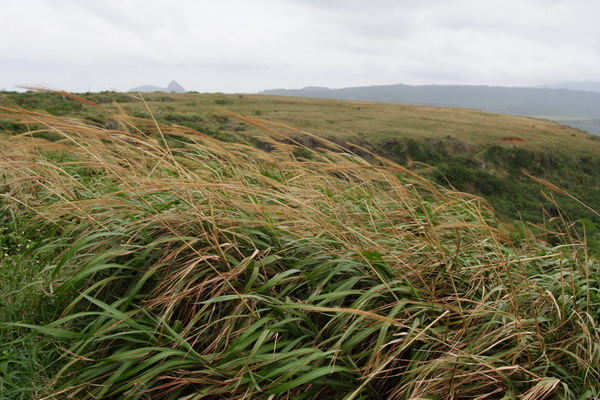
pixel 173 87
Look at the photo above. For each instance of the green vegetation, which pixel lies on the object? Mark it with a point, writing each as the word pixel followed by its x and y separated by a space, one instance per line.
pixel 483 154
pixel 25 251
pixel 146 260
pixel 579 109
pixel 53 103
pixel 480 153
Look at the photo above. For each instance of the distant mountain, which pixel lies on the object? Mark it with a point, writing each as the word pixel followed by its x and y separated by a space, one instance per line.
pixel 173 87
pixel 586 86
pixel 579 109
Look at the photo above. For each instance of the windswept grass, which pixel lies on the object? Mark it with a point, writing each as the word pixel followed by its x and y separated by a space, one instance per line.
pixel 180 267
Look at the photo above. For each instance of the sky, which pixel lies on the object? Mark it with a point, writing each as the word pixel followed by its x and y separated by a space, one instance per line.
pixel 243 46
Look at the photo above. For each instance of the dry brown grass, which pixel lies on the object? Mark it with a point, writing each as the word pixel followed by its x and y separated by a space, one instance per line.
pixel 196 268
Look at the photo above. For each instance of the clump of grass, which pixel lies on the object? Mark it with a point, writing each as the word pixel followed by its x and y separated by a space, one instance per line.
pixel 203 269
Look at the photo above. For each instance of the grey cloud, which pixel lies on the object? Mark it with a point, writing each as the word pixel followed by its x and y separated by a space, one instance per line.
pixel 236 45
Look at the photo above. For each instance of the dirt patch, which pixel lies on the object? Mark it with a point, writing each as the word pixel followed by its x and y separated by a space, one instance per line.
pixel 511 139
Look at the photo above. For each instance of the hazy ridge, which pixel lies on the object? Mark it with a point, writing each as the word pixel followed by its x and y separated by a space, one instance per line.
pixel 172 87
pixel 585 86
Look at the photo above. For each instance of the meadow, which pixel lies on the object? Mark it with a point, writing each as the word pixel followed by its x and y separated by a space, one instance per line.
pixel 467 150
pixel 243 256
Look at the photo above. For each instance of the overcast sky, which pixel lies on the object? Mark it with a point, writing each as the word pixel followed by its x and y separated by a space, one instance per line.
pixel 247 46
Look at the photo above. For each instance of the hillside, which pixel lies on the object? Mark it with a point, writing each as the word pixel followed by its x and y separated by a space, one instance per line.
pixel 576 108
pixel 139 259
pixel 472 151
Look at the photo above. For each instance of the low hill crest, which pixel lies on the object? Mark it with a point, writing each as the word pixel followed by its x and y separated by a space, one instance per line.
pixel 172 87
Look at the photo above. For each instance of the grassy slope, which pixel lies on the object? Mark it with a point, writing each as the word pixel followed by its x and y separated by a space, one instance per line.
pixel 218 270
pixel 576 108
pixel 465 146
pixel 345 119
pixel 380 121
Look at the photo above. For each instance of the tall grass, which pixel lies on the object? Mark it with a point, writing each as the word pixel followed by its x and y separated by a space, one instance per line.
pixel 191 268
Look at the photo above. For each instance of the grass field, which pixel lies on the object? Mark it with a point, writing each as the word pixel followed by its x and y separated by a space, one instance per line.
pixel 381 122
pixel 333 119
pixel 144 260
pixel 480 153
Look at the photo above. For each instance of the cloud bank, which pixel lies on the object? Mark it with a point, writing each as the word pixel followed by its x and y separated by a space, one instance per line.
pixel 241 46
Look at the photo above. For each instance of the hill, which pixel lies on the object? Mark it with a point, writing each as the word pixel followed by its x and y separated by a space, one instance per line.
pixel 173 87
pixel 472 151
pixel 140 259
pixel 576 108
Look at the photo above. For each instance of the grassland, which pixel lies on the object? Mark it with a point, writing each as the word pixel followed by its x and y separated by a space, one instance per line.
pixel 472 151
pixel 145 260
pixel 345 120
